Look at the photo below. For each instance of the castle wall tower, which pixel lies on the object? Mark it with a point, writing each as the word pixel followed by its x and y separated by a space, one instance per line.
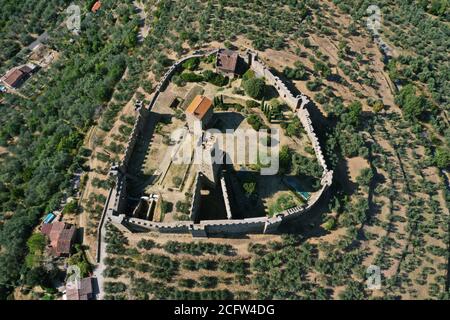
pixel 212 158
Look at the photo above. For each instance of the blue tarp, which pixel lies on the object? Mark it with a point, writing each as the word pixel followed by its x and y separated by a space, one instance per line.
pixel 49 217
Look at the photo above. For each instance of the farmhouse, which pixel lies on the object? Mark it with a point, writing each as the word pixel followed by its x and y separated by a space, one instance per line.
pixel 15 77
pixel 199 110
pixel 61 236
pixel 80 290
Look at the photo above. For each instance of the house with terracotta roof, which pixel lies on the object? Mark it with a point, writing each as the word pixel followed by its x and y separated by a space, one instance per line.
pixel 227 62
pixel 79 290
pixel 61 236
pixel 96 6
pixel 200 109
pixel 15 77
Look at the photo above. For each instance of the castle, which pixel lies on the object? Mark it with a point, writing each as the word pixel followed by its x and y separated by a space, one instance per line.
pixel 115 211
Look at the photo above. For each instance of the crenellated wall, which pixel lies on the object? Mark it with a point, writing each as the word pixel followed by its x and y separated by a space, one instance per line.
pixel 195 203
pixel 117 197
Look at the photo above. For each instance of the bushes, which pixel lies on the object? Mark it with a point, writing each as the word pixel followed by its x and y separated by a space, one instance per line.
pixel 146 244
pixel 191 64
pixel 163 267
pixel 114 287
pixel 215 78
pixel 208 282
pixel 183 207
pixel 198 248
pixel 166 206
pixel 191 77
pixel 297 73
pixel 112 272
pixel 284 202
pixel 256 122
pixel 235 266
pixel 251 104
pixel 255 88
pixel 187 283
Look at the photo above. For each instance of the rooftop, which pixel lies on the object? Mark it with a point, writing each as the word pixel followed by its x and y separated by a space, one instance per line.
pixel 61 236
pixel 79 290
pixel 227 60
pixel 96 6
pixel 199 107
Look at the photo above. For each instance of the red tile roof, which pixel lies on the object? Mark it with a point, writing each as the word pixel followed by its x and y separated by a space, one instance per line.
pixel 61 236
pixel 13 77
pixel 199 107
pixel 96 6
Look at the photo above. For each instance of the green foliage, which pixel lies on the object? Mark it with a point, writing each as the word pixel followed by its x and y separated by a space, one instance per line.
pixel 71 207
pixel 296 73
pixel 80 260
pixel 182 207
pixel 114 287
pixel 256 122
pixel 36 243
pixel 251 104
pixel 198 248
pixel 191 64
pixel 249 74
pixel 146 244
pixel 442 158
pixel 413 106
pixel 284 202
pixel 294 128
pixel 191 77
pixel 365 177
pixel 255 88
pixel 166 206
pixel 215 78
pixel 249 188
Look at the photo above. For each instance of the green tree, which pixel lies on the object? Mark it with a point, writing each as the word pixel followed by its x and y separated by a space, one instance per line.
pixel 255 88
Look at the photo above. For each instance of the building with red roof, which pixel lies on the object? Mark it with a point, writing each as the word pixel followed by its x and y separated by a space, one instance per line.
pixel 61 236
pixel 96 6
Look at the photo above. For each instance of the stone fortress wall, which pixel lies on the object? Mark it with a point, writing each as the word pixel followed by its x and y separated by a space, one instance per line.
pixel 118 196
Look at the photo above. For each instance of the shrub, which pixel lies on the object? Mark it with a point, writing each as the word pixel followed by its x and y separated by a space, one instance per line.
pixel 252 104
pixel 191 77
pixel 146 244
pixel 255 88
pixel 191 64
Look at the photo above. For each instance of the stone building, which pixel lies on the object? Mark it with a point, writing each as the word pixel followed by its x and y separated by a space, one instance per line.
pixel 227 62
pixel 212 157
pixel 200 109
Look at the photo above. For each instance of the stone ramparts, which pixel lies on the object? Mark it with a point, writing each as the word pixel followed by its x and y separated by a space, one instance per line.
pixel 259 225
